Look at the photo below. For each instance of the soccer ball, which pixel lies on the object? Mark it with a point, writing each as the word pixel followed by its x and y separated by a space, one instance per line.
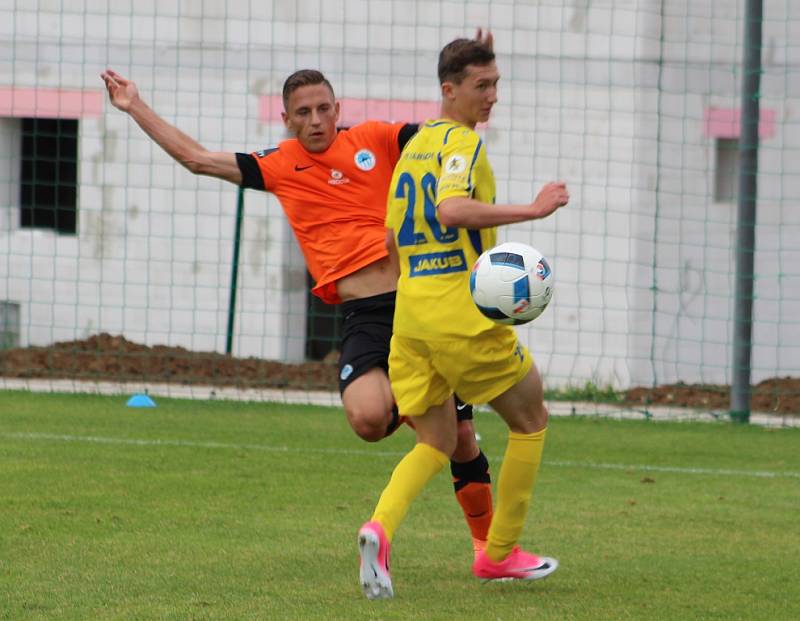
pixel 512 283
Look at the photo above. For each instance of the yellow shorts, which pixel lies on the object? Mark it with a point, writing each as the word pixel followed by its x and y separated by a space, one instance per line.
pixel 480 368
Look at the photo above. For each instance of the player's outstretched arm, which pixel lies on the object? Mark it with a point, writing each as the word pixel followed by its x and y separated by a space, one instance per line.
pixel 468 213
pixel 124 95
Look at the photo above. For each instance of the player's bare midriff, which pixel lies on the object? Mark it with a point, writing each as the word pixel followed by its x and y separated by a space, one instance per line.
pixel 373 279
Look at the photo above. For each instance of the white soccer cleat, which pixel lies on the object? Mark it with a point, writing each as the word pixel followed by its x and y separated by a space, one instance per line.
pixel 373 546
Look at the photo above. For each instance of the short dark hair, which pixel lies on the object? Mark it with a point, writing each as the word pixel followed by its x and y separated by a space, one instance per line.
pixel 304 77
pixel 456 55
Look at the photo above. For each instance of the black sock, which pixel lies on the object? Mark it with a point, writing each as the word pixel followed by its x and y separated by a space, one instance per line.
pixel 475 471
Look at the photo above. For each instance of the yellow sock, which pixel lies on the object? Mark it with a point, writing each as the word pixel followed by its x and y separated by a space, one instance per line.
pixel 410 476
pixel 514 491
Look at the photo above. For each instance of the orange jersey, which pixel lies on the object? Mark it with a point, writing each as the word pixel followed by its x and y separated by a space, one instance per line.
pixel 335 201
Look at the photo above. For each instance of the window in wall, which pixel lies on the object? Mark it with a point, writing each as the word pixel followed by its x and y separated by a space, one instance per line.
pixel 323 326
pixel 9 325
pixel 49 176
pixel 726 173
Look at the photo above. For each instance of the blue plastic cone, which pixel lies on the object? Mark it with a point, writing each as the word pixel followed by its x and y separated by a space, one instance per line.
pixel 141 401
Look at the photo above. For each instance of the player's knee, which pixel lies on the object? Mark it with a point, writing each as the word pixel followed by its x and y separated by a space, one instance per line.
pixel 537 417
pixel 367 431
pixel 369 424
pixel 531 418
pixel 541 413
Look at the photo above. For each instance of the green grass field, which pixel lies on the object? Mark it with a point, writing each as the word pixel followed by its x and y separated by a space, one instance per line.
pixel 222 510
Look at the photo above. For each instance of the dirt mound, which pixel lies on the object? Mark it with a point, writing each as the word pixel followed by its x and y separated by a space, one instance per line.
pixel 775 395
pixel 114 358
pixel 106 357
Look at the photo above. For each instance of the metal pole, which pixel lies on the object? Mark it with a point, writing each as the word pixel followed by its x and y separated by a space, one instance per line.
pixel 237 236
pixel 746 224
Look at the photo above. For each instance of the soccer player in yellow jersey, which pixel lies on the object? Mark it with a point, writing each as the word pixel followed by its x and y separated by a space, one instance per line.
pixel 442 215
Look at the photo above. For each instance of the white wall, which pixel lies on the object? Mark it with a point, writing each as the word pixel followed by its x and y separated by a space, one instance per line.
pixel 696 237
pixel 608 95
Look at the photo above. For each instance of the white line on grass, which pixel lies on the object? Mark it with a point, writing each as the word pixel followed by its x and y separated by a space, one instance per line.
pixel 765 474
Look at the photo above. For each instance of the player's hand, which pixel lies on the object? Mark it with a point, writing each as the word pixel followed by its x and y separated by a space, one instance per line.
pixel 552 196
pixel 121 92
pixel 485 37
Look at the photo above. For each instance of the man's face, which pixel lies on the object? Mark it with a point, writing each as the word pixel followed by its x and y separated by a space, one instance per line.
pixel 475 96
pixel 311 115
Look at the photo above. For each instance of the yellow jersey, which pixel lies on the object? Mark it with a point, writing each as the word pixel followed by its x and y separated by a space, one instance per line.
pixel 443 160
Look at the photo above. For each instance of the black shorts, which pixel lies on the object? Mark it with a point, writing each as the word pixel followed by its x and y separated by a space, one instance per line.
pixel 366 336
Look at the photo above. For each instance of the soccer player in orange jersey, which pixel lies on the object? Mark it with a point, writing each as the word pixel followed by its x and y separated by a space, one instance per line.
pixel 332 186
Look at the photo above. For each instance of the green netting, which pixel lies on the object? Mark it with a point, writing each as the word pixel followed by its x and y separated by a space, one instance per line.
pixel 109 246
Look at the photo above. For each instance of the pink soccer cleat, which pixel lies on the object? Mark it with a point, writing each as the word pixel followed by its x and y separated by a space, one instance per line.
pixel 373 546
pixel 519 565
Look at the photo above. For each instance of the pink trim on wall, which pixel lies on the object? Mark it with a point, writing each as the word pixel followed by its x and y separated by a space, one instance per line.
pixel 357 110
pixel 50 102
pixel 726 123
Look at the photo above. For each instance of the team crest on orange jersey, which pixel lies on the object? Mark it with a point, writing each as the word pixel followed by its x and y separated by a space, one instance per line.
pixel 365 159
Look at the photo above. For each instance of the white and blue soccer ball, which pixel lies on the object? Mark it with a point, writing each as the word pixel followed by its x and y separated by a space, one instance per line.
pixel 512 283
